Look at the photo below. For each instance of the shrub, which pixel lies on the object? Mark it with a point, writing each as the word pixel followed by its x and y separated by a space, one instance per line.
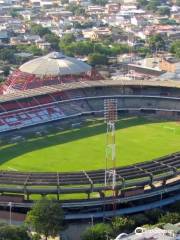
pixel 153 215
pixel 169 217
pixel 122 224
pixel 97 232
pixel 140 219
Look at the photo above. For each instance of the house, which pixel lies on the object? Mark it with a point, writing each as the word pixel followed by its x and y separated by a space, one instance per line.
pixel 46 3
pixel 35 4
pixel 89 34
pixel 169 64
pixel 96 33
pixel 43 45
pixel 172 68
pixel 173 35
pixel 176 16
pixel 4 36
pixel 32 38
pixel 16 40
pixel 26 15
pixel 95 9
pixel 112 8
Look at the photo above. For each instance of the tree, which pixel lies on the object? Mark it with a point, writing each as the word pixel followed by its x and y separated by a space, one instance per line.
pixel 144 51
pixel 34 50
pixel 13 233
pixel 97 232
pixel 122 224
pixel 72 48
pixel 30 49
pixel 39 30
pixel 156 42
pixel 67 39
pixel 165 21
pixel 85 25
pixel 65 43
pixel 170 217
pixel 102 49
pixel 64 2
pixel 36 237
pixel 1 80
pixel 82 48
pixel 164 11
pixel 7 54
pixel 178 2
pixel 175 207
pixel 97 59
pixel 120 48
pixel 142 3
pixel 152 5
pixel 53 40
pixel 76 9
pixel 175 48
pixel 46 217
pixel 14 13
pixel 6 70
pixel 99 2
pixel 153 215
pixel 140 219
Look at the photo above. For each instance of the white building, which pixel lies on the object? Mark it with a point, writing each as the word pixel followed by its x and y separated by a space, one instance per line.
pixel 6 2
pixel 42 3
pixel 151 234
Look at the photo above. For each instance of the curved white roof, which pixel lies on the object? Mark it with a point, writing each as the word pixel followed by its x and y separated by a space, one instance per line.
pixel 55 63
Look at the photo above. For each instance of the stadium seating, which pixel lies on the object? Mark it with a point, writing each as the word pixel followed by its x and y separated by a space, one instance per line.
pixel 24 118
pixel 156 169
pixel 32 110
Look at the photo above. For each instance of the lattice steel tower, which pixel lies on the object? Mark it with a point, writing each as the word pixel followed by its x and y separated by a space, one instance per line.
pixel 110 117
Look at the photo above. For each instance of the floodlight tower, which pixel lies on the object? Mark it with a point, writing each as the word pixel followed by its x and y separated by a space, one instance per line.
pixel 110 117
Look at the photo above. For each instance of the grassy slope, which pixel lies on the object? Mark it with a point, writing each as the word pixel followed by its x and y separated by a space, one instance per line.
pixel 83 149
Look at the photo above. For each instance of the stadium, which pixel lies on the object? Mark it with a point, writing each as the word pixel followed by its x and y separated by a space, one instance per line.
pixel 53 140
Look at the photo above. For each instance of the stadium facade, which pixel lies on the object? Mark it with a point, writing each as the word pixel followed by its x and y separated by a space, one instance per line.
pixel 59 88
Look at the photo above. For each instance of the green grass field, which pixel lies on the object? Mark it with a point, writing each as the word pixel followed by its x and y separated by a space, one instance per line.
pixel 138 139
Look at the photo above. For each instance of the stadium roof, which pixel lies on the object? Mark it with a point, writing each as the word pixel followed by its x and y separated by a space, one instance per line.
pixel 76 85
pixel 55 64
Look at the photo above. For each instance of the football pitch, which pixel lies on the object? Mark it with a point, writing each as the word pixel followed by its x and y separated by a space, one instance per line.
pixel 137 140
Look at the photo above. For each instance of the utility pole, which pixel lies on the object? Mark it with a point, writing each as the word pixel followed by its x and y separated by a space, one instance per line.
pixel 10 212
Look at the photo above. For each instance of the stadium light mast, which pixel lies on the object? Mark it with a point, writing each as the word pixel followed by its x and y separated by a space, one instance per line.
pixel 110 117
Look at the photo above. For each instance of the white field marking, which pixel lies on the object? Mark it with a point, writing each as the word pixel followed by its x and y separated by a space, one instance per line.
pixel 14 169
